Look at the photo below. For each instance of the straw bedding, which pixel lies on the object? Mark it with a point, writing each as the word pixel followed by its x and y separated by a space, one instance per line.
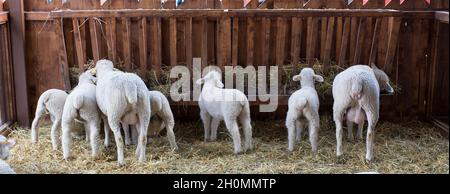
pixel 409 147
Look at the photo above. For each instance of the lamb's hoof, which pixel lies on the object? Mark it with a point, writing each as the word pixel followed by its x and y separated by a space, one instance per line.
pixel 340 159
pixel 175 149
pixel 238 152
pixel 369 161
pixel 120 164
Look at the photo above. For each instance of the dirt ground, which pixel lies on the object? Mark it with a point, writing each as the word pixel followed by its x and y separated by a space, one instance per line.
pixel 408 147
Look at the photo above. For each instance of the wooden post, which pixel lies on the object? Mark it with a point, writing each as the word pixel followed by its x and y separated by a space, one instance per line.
pixel 17 23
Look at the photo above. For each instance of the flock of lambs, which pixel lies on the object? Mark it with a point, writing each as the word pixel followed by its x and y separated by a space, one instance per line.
pixel 123 102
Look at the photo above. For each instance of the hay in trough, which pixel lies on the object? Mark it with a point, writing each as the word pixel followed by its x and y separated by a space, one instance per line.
pixel 410 147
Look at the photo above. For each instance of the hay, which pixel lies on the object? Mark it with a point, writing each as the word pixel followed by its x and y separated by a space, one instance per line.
pixel 410 147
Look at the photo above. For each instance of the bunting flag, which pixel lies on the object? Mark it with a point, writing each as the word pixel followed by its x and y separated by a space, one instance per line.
pixel 246 2
pixel 365 2
pixel 386 2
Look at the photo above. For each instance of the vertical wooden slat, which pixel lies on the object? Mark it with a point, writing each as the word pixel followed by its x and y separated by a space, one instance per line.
pixel 392 43
pixel 224 41
pixel 266 38
pixel 94 38
pixel 173 41
pixel 126 24
pixel 323 36
pixel 280 43
pixel 62 54
pixel 250 41
pixel 235 42
pixel 156 45
pixel 143 53
pixel 311 40
pixel 81 54
pixel 359 42
pixel 344 44
pixel 353 36
pixel 189 57
pixel 297 26
pixel 204 42
pixel 365 57
pixel 328 44
pixel 112 39
pixel 339 31
pixel 382 40
pixel 374 43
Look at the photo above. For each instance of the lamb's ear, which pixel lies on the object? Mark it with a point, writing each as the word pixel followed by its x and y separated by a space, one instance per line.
pixel 11 143
pixel 219 84
pixel 373 66
pixel 297 78
pixel 200 81
pixel 318 78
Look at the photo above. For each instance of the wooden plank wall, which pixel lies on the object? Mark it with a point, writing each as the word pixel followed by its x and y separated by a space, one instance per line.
pixel 7 109
pixel 144 44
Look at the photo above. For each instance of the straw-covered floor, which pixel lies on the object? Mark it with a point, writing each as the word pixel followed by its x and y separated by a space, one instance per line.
pixel 410 147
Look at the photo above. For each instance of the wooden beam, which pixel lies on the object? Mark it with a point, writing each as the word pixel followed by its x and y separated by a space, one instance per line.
pixel 143 50
pixel 17 24
pixel 242 13
pixel 442 16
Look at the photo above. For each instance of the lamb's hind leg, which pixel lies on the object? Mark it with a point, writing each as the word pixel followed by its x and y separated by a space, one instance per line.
pixel 126 132
pixel 338 119
pixel 206 118
pixel 107 130
pixel 170 123
pixel 291 120
pixel 115 128
pixel 214 127
pixel 40 111
pixel 54 132
pixel 313 126
pixel 248 133
pixel 233 128
pixel 94 129
pixel 359 134
pixel 350 130
pixel 299 129
pixel 372 118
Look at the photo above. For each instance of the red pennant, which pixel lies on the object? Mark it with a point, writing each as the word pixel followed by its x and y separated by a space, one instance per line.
pixel 386 2
pixel 365 1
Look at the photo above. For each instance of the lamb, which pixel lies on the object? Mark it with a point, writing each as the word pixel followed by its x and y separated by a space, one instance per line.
pixel 5 146
pixel 123 98
pixel 217 104
pixel 304 109
pixel 162 117
pixel 359 86
pixel 81 104
pixel 50 102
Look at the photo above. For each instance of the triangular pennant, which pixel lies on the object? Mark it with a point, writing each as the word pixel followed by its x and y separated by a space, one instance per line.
pixel 428 2
pixel 386 2
pixel 402 1
pixel 365 2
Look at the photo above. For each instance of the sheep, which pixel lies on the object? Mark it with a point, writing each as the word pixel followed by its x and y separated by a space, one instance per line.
pixel 356 88
pixel 5 146
pixel 81 104
pixel 122 98
pixel 161 118
pixel 50 102
pixel 304 109
pixel 216 105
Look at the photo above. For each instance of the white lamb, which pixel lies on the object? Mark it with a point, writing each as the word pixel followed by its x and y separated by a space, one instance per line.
pixel 50 102
pixel 162 117
pixel 5 146
pixel 217 104
pixel 123 98
pixel 304 109
pixel 357 88
pixel 81 105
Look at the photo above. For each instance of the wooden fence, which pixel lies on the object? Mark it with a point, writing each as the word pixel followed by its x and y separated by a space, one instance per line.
pixel 148 36
pixel 7 109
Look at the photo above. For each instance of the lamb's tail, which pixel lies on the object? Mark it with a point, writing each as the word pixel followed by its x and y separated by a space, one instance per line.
pixel 131 93
pixel 356 90
pixel 78 101
pixel 301 104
